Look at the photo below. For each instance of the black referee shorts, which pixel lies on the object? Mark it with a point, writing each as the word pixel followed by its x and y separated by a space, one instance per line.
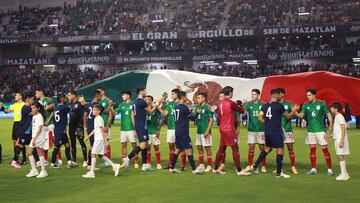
pixel 16 131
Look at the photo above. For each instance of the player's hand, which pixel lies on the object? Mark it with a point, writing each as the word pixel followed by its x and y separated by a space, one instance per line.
pixel 106 129
pixel 135 134
pixel 296 108
pixel 81 99
pixel 161 100
pixel 33 142
pixel 328 137
pixel 199 110
pixel 206 135
pixel 158 133
pixel 86 138
pixel 341 144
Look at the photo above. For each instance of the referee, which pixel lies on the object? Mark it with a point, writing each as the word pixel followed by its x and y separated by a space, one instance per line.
pixel 16 130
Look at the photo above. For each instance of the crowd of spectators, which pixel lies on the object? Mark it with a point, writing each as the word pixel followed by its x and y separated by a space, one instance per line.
pixel 53 82
pixel 114 16
pixel 263 70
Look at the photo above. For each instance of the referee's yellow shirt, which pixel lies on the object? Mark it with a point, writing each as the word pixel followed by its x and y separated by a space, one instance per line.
pixel 16 108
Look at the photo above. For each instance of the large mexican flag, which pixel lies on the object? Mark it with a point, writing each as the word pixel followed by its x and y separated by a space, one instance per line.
pixel 330 87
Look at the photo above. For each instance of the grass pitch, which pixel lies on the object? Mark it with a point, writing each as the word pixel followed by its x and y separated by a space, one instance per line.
pixel 67 185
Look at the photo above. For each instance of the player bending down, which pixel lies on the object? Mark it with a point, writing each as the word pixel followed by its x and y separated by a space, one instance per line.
pixel 154 125
pixel 60 117
pixel 314 112
pixel 38 141
pixel 100 142
pixel 228 136
pixel 274 134
pixel 182 116
pixel 204 123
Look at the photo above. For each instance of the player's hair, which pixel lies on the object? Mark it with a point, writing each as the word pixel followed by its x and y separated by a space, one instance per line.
pixel 40 108
pixel 60 97
pixel 20 93
pixel 274 91
pixel 139 89
pixel 227 90
pixel 96 93
pixel 181 94
pixel 99 107
pixel 40 90
pixel 176 91
pixel 73 92
pixel 151 97
pixel 281 90
pixel 126 92
pixel 101 88
pixel 312 91
pixel 337 106
pixel 257 91
pixel 28 96
pixel 203 94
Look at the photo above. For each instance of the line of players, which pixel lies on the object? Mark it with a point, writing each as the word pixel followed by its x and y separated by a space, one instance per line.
pixel 142 120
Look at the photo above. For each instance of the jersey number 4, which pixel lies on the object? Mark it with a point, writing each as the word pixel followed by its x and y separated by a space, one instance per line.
pixel 268 113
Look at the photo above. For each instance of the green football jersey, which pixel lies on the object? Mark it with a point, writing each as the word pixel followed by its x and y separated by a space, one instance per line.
pixel 314 114
pixel 171 119
pixel 125 109
pixel 44 102
pixel 105 104
pixel 153 121
pixel 202 120
pixel 286 124
pixel 253 110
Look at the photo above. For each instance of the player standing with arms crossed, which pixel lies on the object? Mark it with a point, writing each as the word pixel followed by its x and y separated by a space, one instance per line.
pixel 127 127
pixel 271 115
pixel 228 136
pixel 256 129
pixel 314 112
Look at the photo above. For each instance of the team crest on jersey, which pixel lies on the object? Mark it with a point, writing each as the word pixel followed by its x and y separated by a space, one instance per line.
pixel 308 107
pixel 286 107
pixel 318 107
pixel 250 107
pixel 103 104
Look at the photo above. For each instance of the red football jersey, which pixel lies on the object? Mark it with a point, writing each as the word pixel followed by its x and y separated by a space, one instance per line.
pixel 226 114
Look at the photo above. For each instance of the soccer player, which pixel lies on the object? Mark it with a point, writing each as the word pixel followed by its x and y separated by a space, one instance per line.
pixel 154 125
pixel 228 136
pixel 127 127
pixel 140 123
pixel 48 106
pixel 100 141
pixel 38 141
pixel 60 117
pixel 255 128
pixel 314 112
pixel 204 121
pixel 107 116
pixel 289 136
pixel 25 130
pixel 182 116
pixel 89 121
pixel 76 126
pixel 340 139
pixel 271 115
pixel 16 130
pixel 170 134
